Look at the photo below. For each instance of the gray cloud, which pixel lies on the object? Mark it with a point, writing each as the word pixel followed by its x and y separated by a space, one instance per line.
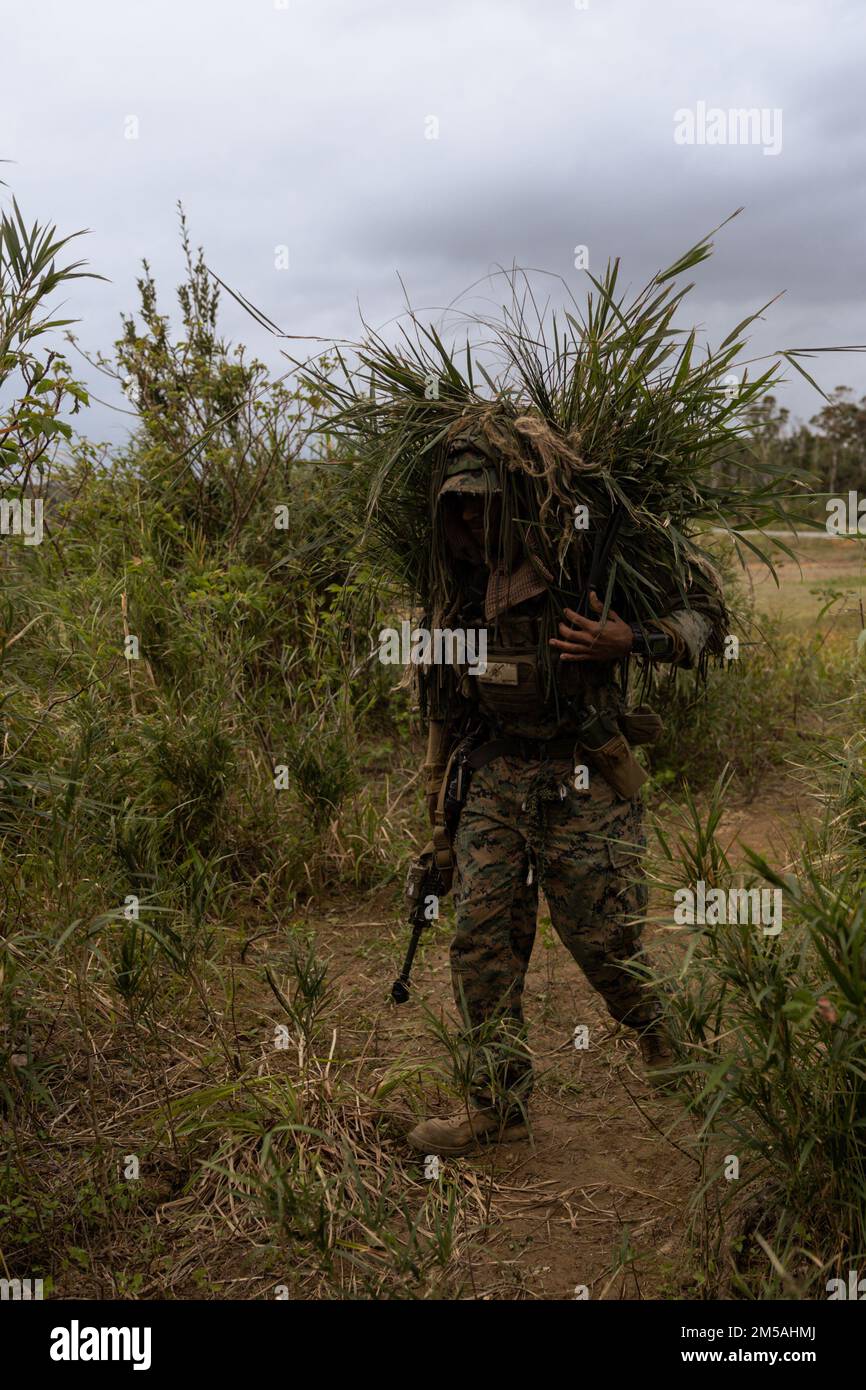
pixel 305 126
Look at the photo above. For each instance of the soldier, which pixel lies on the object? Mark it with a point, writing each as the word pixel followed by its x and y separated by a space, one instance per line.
pixel 541 810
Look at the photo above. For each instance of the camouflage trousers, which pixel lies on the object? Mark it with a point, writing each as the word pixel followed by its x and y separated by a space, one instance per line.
pixel 524 826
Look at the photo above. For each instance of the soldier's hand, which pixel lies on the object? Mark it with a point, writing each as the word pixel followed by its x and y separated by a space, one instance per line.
pixel 584 639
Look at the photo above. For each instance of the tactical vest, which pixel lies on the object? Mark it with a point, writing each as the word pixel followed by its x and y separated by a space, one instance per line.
pixel 513 692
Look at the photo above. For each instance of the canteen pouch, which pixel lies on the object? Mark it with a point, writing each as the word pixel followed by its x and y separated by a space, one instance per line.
pixel 610 754
pixel 641 725
pixel 619 767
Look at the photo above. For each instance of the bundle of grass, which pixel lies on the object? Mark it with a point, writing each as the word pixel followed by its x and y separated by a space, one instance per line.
pixel 602 423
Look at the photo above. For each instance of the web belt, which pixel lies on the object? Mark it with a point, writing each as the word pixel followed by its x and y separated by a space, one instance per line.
pixel 527 749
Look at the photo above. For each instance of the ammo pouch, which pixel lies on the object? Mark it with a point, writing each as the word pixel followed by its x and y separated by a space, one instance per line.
pixel 618 766
pixel 607 739
pixel 641 725
pixel 510 683
pixel 602 739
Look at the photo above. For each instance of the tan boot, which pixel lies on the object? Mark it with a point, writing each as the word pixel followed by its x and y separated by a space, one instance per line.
pixel 460 1133
pixel 658 1056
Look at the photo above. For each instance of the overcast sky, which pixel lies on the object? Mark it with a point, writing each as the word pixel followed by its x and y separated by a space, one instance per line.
pixel 306 124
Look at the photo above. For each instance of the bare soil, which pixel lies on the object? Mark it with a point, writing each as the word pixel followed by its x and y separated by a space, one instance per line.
pixel 596 1203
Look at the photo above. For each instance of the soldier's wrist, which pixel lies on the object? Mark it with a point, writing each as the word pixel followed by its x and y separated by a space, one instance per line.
pixel 651 643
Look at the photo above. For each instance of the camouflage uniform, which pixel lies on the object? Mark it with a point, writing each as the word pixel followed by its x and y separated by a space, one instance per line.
pixel 526 825
pixel 583 849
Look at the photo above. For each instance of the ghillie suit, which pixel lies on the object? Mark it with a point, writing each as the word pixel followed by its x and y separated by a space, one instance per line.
pixel 547 805
pixel 552 507
pixel 607 409
pixel 611 440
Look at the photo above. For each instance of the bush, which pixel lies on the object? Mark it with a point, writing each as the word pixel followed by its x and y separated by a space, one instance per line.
pixel 770 1031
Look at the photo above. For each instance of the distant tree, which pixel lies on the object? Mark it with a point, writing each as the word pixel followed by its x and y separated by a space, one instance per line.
pixel 841 441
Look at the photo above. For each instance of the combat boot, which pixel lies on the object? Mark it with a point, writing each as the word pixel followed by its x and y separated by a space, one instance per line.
pixel 658 1056
pixel 460 1133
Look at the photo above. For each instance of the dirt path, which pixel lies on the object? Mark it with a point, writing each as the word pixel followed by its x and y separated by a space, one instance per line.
pixel 598 1199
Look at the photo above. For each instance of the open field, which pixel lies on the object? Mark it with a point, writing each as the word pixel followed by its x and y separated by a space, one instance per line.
pixel 823 567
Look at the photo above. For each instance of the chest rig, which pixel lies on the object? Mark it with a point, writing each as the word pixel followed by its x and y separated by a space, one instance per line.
pixel 578 714
pixel 513 684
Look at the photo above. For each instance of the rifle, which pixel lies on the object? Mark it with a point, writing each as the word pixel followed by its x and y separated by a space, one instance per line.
pixel 431 874
pixel 424 881
pixel 603 544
